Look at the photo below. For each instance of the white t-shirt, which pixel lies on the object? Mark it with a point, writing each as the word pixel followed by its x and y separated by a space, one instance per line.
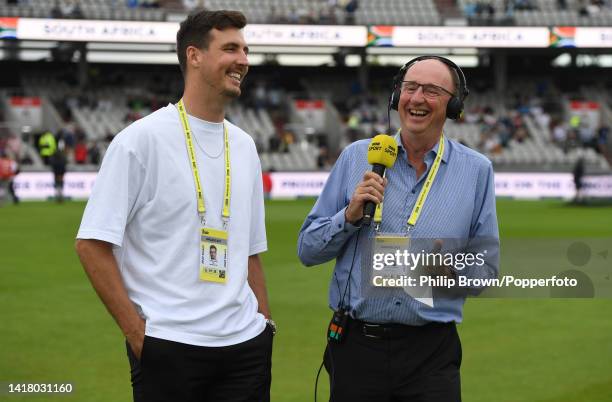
pixel 144 203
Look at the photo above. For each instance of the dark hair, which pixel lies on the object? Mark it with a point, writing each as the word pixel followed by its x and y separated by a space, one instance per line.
pixel 195 30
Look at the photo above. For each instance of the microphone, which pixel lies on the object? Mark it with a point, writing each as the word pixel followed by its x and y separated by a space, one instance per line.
pixel 382 154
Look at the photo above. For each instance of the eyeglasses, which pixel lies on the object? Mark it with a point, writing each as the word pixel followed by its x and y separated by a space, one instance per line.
pixel 429 90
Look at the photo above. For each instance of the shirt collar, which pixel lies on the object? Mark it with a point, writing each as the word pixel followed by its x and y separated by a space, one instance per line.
pixel 432 153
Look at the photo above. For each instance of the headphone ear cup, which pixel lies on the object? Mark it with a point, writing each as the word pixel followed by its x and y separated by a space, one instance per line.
pixel 395 95
pixel 454 108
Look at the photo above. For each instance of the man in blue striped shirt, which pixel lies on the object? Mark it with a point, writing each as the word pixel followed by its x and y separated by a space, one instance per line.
pixel 397 347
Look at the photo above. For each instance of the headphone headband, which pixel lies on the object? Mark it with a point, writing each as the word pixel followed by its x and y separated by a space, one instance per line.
pixel 454 108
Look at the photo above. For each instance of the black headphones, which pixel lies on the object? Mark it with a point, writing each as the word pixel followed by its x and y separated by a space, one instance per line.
pixel 454 108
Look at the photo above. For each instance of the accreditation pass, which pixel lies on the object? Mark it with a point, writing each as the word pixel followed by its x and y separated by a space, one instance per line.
pixel 213 255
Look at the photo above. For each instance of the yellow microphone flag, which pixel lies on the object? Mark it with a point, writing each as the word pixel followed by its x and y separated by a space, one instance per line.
pixel 382 150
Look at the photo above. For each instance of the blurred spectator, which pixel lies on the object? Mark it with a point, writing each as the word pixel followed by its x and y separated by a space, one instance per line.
pixel 543 118
pixel 260 98
pixel 586 135
pixel 293 16
pixel 66 7
pixel 13 147
pixel 8 170
pixel 109 137
pixel 267 183
pixel 274 143
pixel 58 166
pixel 273 16
pixel 353 131
pixel 350 9
pixel 287 139
pixel 509 9
pixel 582 8
pixel 559 134
pixel 94 154
pixel 67 133
pixel 578 182
pixel 470 10
pixel 526 5
pixel 489 120
pixel 490 143
pixel 481 12
pixel 149 3
pixel 472 116
pixel 327 16
pixel 56 11
pixel 521 134
pixel 603 134
pixel 79 135
pixel 505 130
pixel 588 8
pixel 574 122
pixel 572 141
pixel 80 153
pixel 323 161
pixel 105 104
pixel 77 12
pixel 308 16
pixel 193 4
pixel 489 11
pixel 275 98
pixel 47 145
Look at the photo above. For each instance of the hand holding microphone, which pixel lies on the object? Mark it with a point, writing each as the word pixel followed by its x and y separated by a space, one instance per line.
pixel 382 153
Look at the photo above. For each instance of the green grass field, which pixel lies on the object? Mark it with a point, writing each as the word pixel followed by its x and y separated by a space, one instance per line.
pixel 54 329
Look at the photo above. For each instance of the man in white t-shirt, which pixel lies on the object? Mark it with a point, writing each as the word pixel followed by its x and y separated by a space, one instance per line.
pixel 171 185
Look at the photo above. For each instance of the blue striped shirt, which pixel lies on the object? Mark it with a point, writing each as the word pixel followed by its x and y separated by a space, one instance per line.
pixel 460 205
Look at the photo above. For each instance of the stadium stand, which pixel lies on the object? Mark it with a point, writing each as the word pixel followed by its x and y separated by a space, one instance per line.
pixel 96 115
pixel 377 12
pixel 88 9
pixel 521 133
pixel 537 12
pixel 527 132
pixel 515 134
pixel 364 12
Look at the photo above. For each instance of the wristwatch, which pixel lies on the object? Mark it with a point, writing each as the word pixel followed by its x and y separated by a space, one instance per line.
pixel 272 325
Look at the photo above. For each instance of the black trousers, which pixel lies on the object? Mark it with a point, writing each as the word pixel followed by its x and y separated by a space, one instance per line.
pixel 422 365
pixel 175 372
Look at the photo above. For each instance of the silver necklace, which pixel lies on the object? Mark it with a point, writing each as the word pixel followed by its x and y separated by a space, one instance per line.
pixel 206 153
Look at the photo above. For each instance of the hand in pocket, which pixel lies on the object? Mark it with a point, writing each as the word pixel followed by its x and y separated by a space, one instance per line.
pixel 136 339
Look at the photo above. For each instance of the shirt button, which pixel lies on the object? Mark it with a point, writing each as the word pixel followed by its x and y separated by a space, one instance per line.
pixel 339 226
pixel 413 190
pixel 398 303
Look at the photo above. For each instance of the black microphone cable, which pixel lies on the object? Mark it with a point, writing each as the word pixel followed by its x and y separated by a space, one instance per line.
pixel 389 117
pixel 340 306
pixel 389 110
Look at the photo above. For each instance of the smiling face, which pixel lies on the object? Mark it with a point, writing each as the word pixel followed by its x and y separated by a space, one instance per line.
pixel 420 115
pixel 223 65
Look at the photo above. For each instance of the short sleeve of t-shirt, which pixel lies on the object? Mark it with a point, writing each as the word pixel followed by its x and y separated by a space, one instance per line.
pixel 116 195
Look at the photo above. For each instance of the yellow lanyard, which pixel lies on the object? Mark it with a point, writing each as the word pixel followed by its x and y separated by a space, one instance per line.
pixel 225 214
pixel 418 207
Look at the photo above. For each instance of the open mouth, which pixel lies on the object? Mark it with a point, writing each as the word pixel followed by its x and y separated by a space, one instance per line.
pixel 236 77
pixel 418 113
